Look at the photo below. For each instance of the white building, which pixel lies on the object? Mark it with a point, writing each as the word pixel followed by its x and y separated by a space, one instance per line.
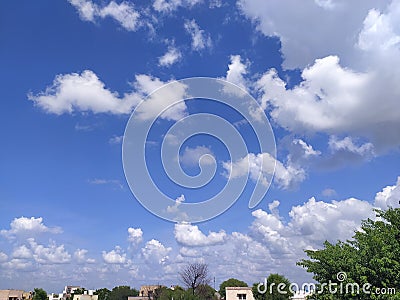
pixel 86 297
pixel 239 293
pixel 300 295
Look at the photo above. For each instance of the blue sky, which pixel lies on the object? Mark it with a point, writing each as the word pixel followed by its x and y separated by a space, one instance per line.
pixel 324 72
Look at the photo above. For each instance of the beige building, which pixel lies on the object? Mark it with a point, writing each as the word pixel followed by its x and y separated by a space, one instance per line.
pixel 85 297
pixel 239 293
pixel 148 290
pixel 15 295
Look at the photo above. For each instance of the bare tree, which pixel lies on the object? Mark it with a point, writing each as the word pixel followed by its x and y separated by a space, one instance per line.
pixel 195 275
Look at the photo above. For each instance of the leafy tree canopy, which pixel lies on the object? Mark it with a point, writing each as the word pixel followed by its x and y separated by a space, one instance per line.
pixel 231 282
pixel 122 293
pixel 276 287
pixel 371 257
pixel 104 294
pixel 39 294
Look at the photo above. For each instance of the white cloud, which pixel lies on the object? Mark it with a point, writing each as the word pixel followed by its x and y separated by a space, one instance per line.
pixel 3 257
pixel 380 31
pixel 307 149
pixel 236 75
pixel 189 252
pixel 99 181
pixel 347 145
pixel 124 13
pixel 200 40
pixel 172 56
pixel 236 71
pixel 389 196
pixel 27 227
pixel 215 3
pixel 18 264
pixel 168 6
pixel 85 92
pixel 22 252
pixel 116 139
pixel 80 256
pixel 191 156
pixel 336 100
pixel 156 102
pixel 116 256
pixel 52 254
pixel 191 236
pixel 328 192
pixel 135 236
pixel 175 208
pixel 155 252
pixel 303 42
pixel 82 92
pixel 261 168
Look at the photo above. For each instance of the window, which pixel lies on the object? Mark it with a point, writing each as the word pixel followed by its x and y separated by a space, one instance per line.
pixel 241 296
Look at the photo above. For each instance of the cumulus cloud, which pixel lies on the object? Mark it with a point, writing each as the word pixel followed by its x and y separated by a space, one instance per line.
pixel 3 257
pixel 82 92
pixel 236 71
pixel 389 196
pixel 303 42
pixel 115 256
pixel 190 235
pixel 334 100
pixel 22 252
pixel 135 236
pixel 80 256
pixel 53 254
pixel 261 167
pixel 28 227
pixel 236 75
pixel 85 92
pixel 155 252
pixel 124 13
pixel 191 156
pixel 172 56
pixel 200 40
pixel 344 78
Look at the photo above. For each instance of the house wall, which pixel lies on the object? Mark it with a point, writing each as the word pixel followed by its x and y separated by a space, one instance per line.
pixel 239 293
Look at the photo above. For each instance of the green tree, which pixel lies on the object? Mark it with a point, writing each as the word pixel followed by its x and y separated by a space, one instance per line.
pixel 103 294
pixel 39 294
pixel 206 292
pixel 371 257
pixel 123 292
pixel 276 287
pixel 231 282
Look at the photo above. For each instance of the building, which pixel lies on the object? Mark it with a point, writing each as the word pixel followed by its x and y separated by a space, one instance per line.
pixel 148 290
pixel 300 295
pixel 53 296
pixel 85 297
pixel 239 293
pixel 15 295
pixel 70 289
